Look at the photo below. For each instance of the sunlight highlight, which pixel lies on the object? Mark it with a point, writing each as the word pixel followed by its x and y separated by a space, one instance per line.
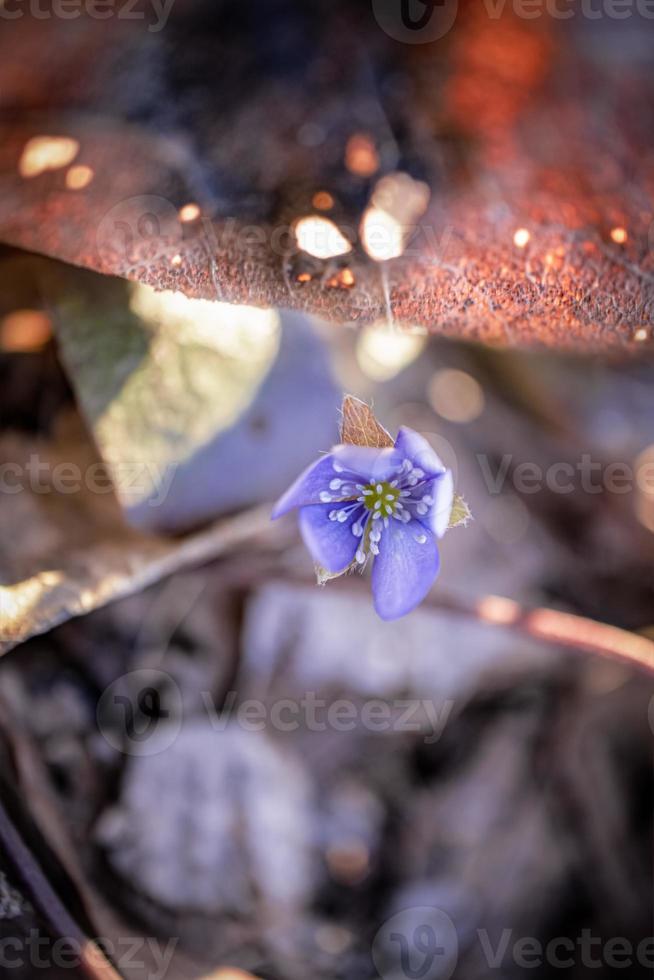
pixel 25 331
pixel 79 177
pixel 20 601
pixel 496 609
pixel 320 237
pixel 323 201
pixel 382 352
pixel 43 153
pixel 227 351
pixel 234 331
pixel 361 157
pixel 619 235
pixel 190 212
pixel 456 396
pixel 522 238
pixel 397 203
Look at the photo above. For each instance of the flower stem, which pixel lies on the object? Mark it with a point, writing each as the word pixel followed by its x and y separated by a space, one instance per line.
pixel 556 627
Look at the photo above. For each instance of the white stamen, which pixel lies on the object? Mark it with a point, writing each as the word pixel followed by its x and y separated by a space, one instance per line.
pixel 378 504
pixel 361 556
pixel 374 549
pixel 375 534
pixel 337 467
pixel 335 484
pixel 326 498
pixel 376 515
pixel 421 538
pixel 422 509
pixel 379 488
pixel 389 496
pixel 341 517
pixel 333 515
pixel 367 493
pixel 357 530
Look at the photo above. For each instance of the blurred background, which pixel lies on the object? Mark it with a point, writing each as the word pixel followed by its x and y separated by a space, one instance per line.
pixel 217 219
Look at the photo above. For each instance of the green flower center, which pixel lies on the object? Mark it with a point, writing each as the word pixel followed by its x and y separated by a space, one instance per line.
pixel 381 497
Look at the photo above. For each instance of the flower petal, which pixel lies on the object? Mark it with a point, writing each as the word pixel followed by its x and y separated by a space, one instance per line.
pixel 405 568
pixel 332 544
pixel 308 487
pixel 441 490
pixel 415 447
pixel 368 463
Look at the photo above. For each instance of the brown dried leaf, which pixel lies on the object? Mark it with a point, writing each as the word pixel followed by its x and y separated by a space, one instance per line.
pixel 505 142
pixel 76 551
pixel 360 427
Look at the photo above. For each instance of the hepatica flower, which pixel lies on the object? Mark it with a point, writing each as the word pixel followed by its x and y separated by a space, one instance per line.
pixel 387 504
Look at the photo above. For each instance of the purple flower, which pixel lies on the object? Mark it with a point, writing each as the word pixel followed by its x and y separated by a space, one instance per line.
pixel 390 505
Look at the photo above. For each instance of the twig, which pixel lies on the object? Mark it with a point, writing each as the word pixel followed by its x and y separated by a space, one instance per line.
pixel 92 960
pixel 556 627
pixel 548 625
pixel 45 809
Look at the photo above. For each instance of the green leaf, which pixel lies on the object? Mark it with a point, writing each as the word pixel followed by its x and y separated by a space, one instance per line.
pixel 461 515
